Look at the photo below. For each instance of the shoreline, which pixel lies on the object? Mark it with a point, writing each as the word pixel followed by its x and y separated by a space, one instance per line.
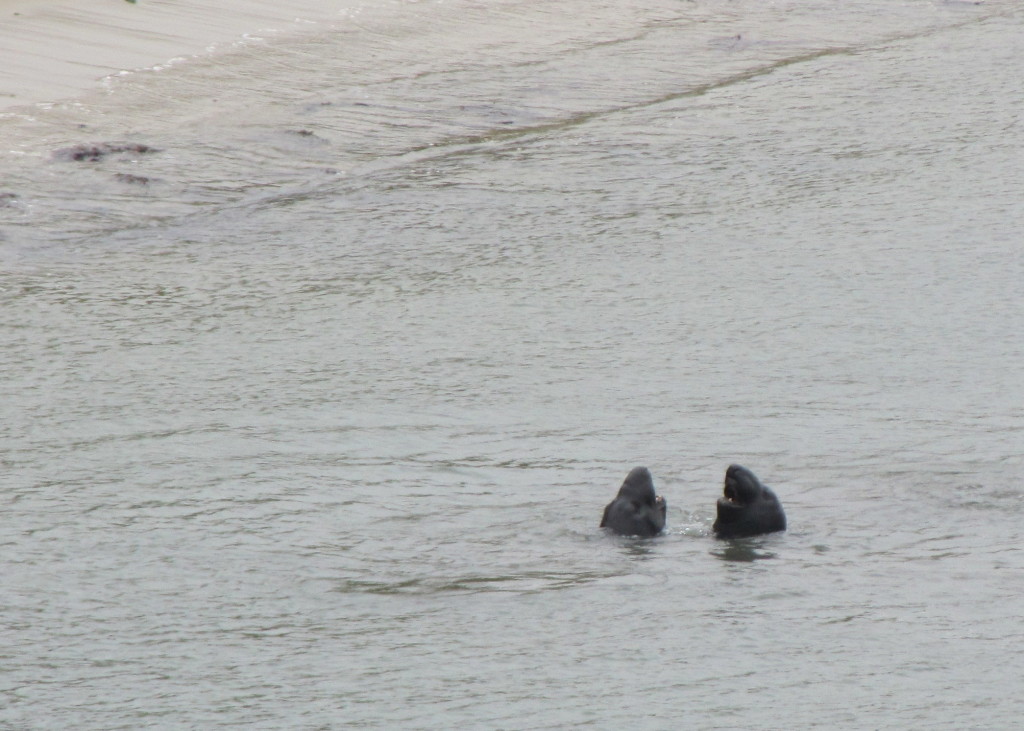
pixel 57 50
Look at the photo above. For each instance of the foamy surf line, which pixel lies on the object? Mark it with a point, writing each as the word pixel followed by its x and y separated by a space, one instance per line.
pixel 57 49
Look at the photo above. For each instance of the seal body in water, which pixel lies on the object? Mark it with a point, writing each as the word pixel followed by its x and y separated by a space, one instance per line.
pixel 636 510
pixel 747 508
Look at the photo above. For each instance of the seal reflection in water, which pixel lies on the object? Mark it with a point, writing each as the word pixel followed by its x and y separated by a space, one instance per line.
pixel 636 510
pixel 748 508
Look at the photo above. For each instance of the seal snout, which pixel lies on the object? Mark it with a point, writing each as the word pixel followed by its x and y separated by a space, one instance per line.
pixel 732 486
pixel 637 510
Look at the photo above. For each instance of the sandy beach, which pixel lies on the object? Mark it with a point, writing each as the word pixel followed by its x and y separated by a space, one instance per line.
pixel 56 49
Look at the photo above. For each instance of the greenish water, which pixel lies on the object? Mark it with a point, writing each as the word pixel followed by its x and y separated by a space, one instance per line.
pixel 310 411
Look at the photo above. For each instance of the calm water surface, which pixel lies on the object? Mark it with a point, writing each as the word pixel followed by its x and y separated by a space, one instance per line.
pixel 310 411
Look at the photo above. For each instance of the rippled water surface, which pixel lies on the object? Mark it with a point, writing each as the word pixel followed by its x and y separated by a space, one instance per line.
pixel 317 378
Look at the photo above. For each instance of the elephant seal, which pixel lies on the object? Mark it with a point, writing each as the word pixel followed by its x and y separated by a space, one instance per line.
pixel 636 510
pixel 748 508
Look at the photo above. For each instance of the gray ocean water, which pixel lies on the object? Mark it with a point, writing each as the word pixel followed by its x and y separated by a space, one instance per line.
pixel 322 359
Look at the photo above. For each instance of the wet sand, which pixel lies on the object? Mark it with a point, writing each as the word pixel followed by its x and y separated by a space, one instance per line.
pixel 57 49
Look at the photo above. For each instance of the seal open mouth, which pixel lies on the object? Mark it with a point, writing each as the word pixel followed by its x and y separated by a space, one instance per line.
pixel 747 507
pixel 741 486
pixel 733 493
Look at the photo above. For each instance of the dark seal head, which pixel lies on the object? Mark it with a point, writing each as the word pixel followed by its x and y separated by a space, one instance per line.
pixel 748 508
pixel 636 510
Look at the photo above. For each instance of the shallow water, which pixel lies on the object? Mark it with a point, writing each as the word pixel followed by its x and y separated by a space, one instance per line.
pixel 311 412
